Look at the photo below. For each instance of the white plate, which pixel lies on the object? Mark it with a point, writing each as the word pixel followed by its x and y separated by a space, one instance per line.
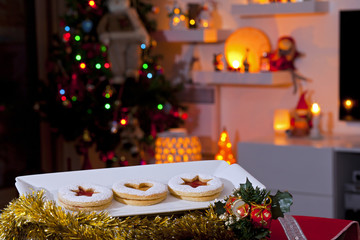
pixel 231 175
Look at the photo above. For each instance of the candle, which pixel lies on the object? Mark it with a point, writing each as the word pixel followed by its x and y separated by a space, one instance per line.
pixel 315 109
pixel 315 131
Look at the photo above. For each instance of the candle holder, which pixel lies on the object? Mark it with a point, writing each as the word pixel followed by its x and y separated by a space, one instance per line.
pixel 176 146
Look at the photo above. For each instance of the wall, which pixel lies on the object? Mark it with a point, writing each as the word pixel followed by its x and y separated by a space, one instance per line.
pixel 247 112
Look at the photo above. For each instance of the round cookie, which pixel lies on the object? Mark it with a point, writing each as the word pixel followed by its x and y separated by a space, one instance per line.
pixel 196 187
pixel 85 197
pixel 139 192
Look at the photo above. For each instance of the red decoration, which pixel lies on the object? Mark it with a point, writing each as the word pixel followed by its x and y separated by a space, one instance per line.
pixel 236 206
pixel 285 54
pixel 261 215
pixel 229 204
pixel 66 37
pixel 241 210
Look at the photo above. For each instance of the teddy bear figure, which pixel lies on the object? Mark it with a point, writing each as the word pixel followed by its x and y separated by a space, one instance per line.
pixel 122 31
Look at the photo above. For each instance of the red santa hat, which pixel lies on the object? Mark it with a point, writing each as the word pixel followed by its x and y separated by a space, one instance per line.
pixel 302 106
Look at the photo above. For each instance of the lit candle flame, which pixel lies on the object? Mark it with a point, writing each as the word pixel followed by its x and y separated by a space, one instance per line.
pixel 315 109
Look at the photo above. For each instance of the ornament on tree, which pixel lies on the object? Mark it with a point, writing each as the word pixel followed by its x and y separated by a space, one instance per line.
pixel 108 92
pixel 225 152
pixel 87 25
pixel 123 32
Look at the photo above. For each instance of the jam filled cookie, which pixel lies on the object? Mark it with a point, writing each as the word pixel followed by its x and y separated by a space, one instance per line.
pixel 85 197
pixel 139 192
pixel 195 187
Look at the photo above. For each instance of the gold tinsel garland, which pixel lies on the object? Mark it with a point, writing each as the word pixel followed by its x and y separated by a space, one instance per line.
pixel 32 217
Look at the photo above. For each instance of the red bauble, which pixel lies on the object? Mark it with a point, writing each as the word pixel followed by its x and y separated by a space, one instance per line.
pixel 241 210
pixel 229 204
pixel 261 217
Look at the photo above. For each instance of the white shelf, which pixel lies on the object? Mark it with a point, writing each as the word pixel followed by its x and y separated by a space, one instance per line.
pixel 279 78
pixel 193 35
pixel 255 10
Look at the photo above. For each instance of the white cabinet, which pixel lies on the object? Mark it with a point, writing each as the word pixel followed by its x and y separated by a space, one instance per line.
pixel 313 171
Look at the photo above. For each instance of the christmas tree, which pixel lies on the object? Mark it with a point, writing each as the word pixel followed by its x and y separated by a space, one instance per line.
pixel 225 152
pixel 83 103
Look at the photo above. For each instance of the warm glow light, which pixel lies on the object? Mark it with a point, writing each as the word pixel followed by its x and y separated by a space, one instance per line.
pixel 182 17
pixel 205 24
pixel 176 146
pixel 225 152
pixel 176 20
pixel 348 104
pixel 92 4
pixel 123 121
pixel 177 11
pixel 235 64
pixel 315 109
pixel 241 40
pixel 82 65
pixel 192 22
pixel 281 121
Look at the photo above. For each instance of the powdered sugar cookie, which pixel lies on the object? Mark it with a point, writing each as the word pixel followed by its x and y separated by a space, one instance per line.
pixel 139 192
pixel 86 197
pixel 196 187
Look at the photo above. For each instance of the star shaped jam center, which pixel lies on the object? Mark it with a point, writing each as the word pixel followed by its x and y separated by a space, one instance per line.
pixel 84 192
pixel 141 186
pixel 195 182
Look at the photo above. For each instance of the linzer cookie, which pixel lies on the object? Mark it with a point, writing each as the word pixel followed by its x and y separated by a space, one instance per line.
pixel 195 187
pixel 85 197
pixel 139 192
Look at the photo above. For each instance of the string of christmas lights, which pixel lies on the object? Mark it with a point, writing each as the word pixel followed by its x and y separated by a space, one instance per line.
pixel 82 103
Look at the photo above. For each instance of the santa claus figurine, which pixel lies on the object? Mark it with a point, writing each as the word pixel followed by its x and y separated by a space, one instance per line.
pixel 123 32
pixel 301 120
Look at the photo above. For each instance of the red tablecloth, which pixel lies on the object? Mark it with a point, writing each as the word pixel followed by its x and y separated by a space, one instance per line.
pixel 315 228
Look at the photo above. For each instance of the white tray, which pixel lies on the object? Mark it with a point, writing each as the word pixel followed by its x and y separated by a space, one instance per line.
pixel 231 175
